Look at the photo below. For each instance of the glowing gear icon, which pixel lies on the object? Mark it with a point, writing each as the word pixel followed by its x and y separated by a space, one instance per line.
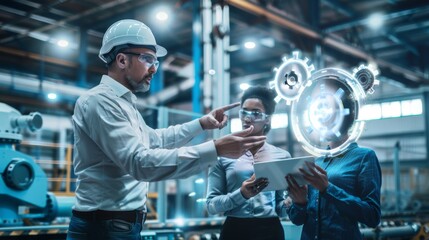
pixel 366 75
pixel 291 77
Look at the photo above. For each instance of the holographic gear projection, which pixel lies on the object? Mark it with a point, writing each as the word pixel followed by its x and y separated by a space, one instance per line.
pixel 291 78
pixel 325 104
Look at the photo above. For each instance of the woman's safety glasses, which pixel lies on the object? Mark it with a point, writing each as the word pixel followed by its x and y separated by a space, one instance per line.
pixel 253 116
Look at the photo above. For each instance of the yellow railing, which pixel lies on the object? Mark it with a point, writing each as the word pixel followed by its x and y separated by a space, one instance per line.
pixel 68 163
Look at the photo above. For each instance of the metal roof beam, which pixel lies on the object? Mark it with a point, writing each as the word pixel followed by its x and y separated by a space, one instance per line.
pixel 63 22
pixel 335 4
pixel 328 40
pixel 49 7
pixel 363 20
pixel 344 9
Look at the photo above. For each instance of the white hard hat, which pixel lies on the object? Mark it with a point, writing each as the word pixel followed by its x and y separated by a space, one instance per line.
pixel 128 31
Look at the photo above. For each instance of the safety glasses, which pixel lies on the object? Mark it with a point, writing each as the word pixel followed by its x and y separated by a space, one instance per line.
pixel 147 59
pixel 253 116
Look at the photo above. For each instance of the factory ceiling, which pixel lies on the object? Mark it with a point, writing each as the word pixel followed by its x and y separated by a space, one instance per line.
pixel 329 32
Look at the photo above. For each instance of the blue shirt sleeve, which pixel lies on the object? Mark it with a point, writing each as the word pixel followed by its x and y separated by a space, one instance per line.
pixel 365 206
pixel 297 213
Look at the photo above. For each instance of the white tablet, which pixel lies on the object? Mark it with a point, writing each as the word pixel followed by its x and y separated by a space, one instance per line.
pixel 276 171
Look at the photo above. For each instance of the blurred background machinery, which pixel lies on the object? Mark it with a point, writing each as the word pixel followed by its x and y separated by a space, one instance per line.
pixel 23 184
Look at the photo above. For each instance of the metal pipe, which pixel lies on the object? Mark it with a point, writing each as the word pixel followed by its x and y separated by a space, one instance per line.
pixel 383 232
pixel 196 54
pixel 226 65
pixel 65 204
pixel 397 174
pixel 207 53
pixel 161 201
pixel 83 58
pixel 31 84
pixel 221 62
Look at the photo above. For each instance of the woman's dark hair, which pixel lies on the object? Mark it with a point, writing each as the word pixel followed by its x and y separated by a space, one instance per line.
pixel 266 96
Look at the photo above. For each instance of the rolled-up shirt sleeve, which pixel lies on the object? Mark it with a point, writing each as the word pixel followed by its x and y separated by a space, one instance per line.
pixel 115 134
pixel 178 135
pixel 218 198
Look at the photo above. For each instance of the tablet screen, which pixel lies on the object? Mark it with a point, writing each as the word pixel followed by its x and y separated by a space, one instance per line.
pixel 276 171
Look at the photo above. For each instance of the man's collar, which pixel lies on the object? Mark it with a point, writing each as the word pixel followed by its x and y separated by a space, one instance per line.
pixel 119 89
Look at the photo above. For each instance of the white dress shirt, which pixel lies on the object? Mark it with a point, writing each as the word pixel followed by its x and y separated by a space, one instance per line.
pixel 116 154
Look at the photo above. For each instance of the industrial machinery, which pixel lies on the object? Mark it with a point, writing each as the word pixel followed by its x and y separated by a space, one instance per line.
pixel 23 184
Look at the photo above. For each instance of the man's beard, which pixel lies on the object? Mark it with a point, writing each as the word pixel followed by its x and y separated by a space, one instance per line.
pixel 139 87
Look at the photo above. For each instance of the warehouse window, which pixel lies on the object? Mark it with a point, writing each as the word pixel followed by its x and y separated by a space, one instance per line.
pixel 392 109
pixel 371 111
pixel 411 107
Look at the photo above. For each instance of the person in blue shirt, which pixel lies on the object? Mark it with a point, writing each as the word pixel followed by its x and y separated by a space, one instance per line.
pixel 233 189
pixel 343 191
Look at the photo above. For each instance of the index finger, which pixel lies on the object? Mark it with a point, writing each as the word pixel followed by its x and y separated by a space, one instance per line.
pixel 230 106
pixel 291 182
pixel 318 168
pixel 312 168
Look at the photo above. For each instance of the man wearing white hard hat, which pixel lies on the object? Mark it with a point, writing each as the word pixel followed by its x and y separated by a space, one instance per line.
pixel 116 154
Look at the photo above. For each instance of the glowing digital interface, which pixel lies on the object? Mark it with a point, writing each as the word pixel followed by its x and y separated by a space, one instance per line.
pixel 325 104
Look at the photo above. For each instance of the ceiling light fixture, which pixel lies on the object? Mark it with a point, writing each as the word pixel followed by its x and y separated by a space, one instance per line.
pixel 375 21
pixel 63 43
pixel 52 96
pixel 244 86
pixel 250 45
pixel 162 16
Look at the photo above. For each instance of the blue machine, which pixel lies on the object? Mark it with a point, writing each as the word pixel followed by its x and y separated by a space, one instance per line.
pixel 23 184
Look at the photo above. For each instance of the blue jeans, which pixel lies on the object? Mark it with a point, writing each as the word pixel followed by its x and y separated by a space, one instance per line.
pixel 113 229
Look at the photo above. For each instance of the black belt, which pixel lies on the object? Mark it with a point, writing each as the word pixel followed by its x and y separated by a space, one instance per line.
pixel 135 216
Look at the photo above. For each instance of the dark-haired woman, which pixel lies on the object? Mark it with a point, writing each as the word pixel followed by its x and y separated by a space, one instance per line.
pixel 232 187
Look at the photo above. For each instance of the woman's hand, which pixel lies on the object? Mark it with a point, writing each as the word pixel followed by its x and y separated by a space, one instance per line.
pixel 252 186
pixel 315 176
pixel 297 193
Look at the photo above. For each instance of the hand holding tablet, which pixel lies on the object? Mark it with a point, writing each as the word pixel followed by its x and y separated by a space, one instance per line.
pixel 275 171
